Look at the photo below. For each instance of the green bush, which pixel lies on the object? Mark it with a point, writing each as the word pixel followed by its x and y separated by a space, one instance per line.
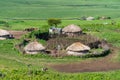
pixel 54 21
pixel 38 34
pixel 3 22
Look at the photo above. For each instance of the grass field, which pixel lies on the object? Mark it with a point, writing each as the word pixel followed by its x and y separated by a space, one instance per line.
pixel 42 9
pixel 15 66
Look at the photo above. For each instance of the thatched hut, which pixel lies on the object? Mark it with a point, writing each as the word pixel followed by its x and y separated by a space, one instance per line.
pixel 4 34
pixel 34 48
pixel 72 30
pixel 77 49
pixel 104 18
pixel 90 18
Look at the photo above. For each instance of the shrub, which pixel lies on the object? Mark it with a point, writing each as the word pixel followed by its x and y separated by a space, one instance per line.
pixel 3 22
pixel 2 75
pixel 54 22
pixel 83 18
pixel 38 34
pixel 6 25
pixel 108 17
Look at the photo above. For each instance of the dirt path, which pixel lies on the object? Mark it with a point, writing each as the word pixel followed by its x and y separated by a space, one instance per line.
pixel 102 64
pixel 17 34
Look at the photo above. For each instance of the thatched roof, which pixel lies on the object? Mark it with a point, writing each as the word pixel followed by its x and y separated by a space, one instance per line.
pixel 72 28
pixel 34 47
pixel 2 38
pixel 4 32
pixel 90 18
pixel 77 47
pixel 102 18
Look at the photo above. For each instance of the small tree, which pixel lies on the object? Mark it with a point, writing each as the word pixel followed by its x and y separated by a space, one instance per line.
pixel 54 22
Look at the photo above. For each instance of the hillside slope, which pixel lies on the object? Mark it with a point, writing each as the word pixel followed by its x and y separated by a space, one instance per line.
pixel 58 8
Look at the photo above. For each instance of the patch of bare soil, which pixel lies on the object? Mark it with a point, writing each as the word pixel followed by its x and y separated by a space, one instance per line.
pixel 118 30
pixel 97 65
pixel 17 34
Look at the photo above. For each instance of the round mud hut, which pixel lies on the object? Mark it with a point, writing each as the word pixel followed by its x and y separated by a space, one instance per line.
pixel 77 49
pixel 72 30
pixel 90 18
pixel 34 48
pixel 4 34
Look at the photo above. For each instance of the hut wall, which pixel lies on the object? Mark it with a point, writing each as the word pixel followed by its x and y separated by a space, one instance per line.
pixel 72 34
pixel 2 38
pixel 7 36
pixel 76 53
pixel 34 51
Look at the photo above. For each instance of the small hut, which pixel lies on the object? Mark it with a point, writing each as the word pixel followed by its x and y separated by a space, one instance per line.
pixel 90 18
pixel 34 48
pixel 54 31
pixel 102 18
pixel 77 49
pixel 72 30
pixel 4 34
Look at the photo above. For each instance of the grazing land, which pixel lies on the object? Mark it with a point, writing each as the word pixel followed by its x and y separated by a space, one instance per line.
pixel 13 63
pixel 42 9
pixel 17 15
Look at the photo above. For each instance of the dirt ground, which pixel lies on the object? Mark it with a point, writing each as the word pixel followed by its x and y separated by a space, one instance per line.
pixel 101 64
pixel 17 34
pixel 97 65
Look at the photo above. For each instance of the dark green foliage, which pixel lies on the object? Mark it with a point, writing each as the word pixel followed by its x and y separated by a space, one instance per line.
pixel 34 34
pixel 103 17
pixel 109 17
pixel 24 42
pixel 3 22
pixel 98 17
pixel 54 21
pixel 83 18
pixel 19 21
pixel 98 54
pixel 2 75
pixel 6 25
pixel 38 34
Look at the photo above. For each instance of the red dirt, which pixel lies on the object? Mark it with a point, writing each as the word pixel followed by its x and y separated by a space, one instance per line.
pixel 17 34
pixel 97 65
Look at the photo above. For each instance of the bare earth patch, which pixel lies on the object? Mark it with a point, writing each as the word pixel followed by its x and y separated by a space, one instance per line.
pixel 17 34
pixel 97 65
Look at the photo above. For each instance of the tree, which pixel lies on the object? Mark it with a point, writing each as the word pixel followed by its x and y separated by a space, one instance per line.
pixel 54 21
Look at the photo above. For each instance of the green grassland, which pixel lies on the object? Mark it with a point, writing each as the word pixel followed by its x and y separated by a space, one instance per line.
pixel 14 65
pixel 42 9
